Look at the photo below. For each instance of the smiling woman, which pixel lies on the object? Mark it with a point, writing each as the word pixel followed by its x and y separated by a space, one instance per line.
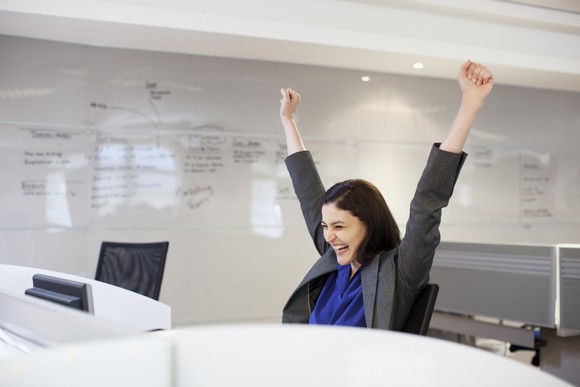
pixel 345 233
pixel 362 198
pixel 367 276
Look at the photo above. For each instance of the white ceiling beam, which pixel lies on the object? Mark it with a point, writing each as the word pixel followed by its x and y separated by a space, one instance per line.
pixel 371 35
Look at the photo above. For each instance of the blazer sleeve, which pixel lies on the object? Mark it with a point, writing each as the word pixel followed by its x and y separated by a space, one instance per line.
pixel 310 191
pixel 422 234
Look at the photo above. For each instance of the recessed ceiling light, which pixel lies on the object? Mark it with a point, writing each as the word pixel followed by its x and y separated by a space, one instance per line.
pixel 418 65
pixel 365 78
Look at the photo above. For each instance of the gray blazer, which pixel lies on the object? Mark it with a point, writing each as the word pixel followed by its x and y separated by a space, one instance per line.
pixel 393 279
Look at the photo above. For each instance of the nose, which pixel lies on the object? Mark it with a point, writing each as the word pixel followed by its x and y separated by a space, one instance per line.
pixel 328 235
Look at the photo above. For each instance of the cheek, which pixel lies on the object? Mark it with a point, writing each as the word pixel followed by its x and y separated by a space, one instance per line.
pixel 360 236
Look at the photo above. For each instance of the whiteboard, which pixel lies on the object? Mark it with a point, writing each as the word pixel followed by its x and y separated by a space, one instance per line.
pixel 111 144
pixel 79 178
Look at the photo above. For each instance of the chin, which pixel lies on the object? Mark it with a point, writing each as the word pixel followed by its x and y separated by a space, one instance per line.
pixel 343 262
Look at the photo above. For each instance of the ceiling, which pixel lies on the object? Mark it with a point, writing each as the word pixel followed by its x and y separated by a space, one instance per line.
pixel 529 43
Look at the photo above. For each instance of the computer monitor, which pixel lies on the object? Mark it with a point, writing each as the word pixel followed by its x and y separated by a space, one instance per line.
pixel 62 291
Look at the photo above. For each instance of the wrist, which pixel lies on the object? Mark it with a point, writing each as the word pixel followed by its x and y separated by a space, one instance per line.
pixel 472 102
pixel 289 118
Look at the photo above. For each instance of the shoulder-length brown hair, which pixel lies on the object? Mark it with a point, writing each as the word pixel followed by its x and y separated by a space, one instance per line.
pixel 365 201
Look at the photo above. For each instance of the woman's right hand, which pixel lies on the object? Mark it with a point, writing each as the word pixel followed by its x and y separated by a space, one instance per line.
pixel 475 81
pixel 288 103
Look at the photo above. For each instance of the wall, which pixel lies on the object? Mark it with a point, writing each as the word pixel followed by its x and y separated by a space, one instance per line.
pixel 107 144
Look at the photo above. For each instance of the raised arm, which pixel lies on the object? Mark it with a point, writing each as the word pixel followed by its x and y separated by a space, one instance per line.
pixel 476 82
pixel 305 178
pixel 288 105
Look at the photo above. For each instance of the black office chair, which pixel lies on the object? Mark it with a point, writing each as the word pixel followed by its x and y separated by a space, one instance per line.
pixel 133 266
pixel 422 310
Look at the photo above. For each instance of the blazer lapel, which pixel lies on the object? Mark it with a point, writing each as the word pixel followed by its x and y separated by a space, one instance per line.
pixel 369 278
pixel 325 264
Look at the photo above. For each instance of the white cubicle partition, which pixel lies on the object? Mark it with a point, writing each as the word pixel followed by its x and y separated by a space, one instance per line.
pixel 507 282
pixel 29 325
pixel 569 289
pixel 538 285
pixel 527 289
pixel 143 361
pixel 109 302
pixel 503 281
pixel 302 355
pixel 273 355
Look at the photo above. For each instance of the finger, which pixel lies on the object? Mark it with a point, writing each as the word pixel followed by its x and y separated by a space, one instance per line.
pixel 286 95
pixel 472 70
pixel 477 75
pixel 487 77
pixel 464 67
pixel 474 73
pixel 294 96
pixel 483 71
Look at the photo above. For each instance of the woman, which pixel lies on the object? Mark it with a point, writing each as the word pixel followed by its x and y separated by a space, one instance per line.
pixel 366 275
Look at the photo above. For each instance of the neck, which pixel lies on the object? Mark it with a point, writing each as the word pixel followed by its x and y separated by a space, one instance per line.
pixel 354 266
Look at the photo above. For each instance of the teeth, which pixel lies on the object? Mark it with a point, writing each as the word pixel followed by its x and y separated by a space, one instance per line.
pixel 340 247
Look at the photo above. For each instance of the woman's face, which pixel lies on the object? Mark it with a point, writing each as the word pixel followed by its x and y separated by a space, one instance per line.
pixel 344 232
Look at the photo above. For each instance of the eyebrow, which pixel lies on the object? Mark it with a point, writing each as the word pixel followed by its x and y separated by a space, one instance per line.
pixel 333 223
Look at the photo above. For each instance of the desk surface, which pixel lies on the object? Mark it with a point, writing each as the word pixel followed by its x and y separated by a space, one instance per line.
pixel 109 302
pixel 273 355
pixel 302 355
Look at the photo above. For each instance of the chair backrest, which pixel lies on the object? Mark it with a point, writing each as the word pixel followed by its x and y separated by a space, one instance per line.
pixel 422 310
pixel 133 266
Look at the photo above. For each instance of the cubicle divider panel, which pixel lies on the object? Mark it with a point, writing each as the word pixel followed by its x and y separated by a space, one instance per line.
pixel 569 288
pixel 510 282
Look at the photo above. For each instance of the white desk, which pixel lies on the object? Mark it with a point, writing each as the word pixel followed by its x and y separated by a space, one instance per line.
pixel 273 355
pixel 109 302
pixel 142 361
pixel 302 355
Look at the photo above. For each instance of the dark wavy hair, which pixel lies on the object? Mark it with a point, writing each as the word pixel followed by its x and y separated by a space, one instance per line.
pixel 362 199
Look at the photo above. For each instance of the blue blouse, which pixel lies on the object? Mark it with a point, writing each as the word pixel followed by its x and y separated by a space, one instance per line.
pixel 341 300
